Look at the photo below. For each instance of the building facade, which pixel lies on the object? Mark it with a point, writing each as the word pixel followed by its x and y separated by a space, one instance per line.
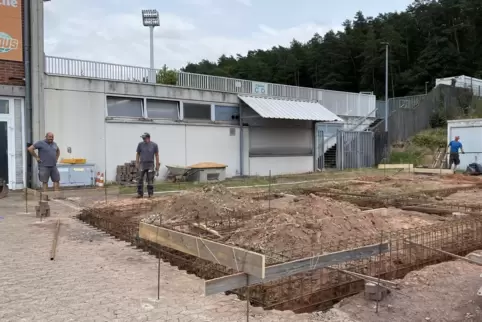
pixel 12 95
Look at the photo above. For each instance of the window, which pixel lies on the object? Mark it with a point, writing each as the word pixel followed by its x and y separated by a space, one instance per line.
pixel 227 114
pixel 196 111
pixel 160 109
pixel 125 106
pixel 4 107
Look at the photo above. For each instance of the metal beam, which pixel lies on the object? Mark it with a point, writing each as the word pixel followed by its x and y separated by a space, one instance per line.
pixel 231 282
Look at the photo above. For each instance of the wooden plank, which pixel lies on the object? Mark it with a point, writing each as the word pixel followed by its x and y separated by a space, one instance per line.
pixel 396 166
pixel 233 257
pixel 433 171
pixel 231 282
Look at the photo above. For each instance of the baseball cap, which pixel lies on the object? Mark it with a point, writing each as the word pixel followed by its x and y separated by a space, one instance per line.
pixel 145 135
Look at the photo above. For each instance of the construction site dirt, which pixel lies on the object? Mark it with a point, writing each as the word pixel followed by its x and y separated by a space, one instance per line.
pixel 291 222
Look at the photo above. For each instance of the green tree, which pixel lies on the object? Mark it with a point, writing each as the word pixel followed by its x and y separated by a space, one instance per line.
pixel 430 39
pixel 166 76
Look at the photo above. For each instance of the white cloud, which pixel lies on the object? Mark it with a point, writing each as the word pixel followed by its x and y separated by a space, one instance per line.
pixel 116 37
pixel 245 2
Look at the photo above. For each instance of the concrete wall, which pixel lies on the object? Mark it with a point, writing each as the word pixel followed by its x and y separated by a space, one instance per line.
pixel 262 166
pixel 179 144
pixel 76 114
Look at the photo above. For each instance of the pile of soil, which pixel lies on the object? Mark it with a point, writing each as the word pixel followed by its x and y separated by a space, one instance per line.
pixel 443 292
pixel 210 203
pixel 313 220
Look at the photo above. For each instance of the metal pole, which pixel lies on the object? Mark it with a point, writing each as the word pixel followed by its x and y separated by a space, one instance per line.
pixel 152 79
pixel 386 87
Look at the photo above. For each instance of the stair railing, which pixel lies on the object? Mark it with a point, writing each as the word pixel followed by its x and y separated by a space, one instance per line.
pixel 363 119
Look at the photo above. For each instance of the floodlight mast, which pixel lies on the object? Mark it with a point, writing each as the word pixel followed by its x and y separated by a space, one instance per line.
pixel 150 18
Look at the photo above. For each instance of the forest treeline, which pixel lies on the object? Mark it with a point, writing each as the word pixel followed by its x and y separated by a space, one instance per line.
pixel 429 40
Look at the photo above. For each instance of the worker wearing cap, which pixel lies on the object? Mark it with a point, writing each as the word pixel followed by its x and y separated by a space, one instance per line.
pixel 146 151
pixel 455 146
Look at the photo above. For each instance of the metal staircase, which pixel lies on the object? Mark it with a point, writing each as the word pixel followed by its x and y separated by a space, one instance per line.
pixel 330 154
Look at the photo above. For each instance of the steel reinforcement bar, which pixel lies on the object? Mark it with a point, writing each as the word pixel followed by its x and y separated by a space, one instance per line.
pixel 320 288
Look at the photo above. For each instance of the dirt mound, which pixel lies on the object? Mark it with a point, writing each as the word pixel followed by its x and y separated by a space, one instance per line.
pixel 312 220
pixel 442 292
pixel 210 203
pixel 457 177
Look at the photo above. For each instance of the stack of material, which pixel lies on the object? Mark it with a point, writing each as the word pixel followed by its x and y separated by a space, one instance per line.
pixel 127 173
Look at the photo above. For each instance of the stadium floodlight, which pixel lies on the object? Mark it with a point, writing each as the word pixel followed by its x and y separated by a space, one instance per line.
pixel 150 18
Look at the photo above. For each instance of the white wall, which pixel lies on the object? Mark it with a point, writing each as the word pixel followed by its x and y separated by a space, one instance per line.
pixel 261 166
pixel 179 144
pixel 77 120
pixel 75 113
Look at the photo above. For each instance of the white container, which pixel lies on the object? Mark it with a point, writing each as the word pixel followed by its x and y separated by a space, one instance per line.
pixel 470 133
pixel 464 82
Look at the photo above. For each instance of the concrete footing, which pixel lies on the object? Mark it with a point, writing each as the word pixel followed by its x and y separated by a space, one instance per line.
pixel 374 292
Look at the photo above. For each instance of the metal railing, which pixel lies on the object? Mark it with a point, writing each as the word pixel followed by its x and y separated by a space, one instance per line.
pixel 340 103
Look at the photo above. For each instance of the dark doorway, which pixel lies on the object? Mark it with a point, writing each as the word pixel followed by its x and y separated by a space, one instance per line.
pixel 3 151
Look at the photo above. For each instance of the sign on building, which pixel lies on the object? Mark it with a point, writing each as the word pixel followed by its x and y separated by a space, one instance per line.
pixel 11 30
pixel 260 88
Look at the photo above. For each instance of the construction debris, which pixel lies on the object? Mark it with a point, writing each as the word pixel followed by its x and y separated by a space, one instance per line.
pixel 43 209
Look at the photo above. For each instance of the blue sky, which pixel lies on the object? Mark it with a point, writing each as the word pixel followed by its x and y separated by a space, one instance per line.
pixel 112 31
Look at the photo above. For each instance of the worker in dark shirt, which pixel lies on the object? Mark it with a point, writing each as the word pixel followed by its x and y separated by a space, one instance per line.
pixel 47 158
pixel 455 146
pixel 146 152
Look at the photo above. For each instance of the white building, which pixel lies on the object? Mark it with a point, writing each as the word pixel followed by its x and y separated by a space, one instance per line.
pixel 97 111
pixel 101 120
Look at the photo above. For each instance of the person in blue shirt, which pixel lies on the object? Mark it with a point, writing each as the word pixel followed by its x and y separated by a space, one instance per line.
pixel 455 146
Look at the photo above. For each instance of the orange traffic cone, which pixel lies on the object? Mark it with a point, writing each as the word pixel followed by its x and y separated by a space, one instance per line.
pixel 101 180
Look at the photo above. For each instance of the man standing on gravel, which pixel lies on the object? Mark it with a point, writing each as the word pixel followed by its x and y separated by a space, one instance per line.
pixel 455 146
pixel 146 151
pixel 48 155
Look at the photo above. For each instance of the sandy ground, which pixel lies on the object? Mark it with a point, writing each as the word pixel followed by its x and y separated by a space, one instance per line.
pixel 444 292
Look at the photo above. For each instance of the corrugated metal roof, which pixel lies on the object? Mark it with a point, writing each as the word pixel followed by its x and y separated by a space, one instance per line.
pixel 276 108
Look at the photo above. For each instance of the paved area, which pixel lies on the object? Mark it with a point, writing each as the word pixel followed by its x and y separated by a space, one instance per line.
pixel 97 278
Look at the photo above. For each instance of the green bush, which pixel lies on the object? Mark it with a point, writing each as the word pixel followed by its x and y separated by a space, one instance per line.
pixel 413 157
pixel 431 139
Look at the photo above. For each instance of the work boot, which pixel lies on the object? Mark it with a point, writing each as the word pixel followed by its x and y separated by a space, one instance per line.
pixel 140 196
pixel 150 195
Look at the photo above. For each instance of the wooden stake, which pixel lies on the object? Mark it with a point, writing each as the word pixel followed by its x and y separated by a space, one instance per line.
pixel 54 242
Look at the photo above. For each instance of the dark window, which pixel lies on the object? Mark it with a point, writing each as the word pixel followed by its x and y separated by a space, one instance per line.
pixel 159 109
pixel 4 107
pixel 124 106
pixel 227 114
pixel 195 111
